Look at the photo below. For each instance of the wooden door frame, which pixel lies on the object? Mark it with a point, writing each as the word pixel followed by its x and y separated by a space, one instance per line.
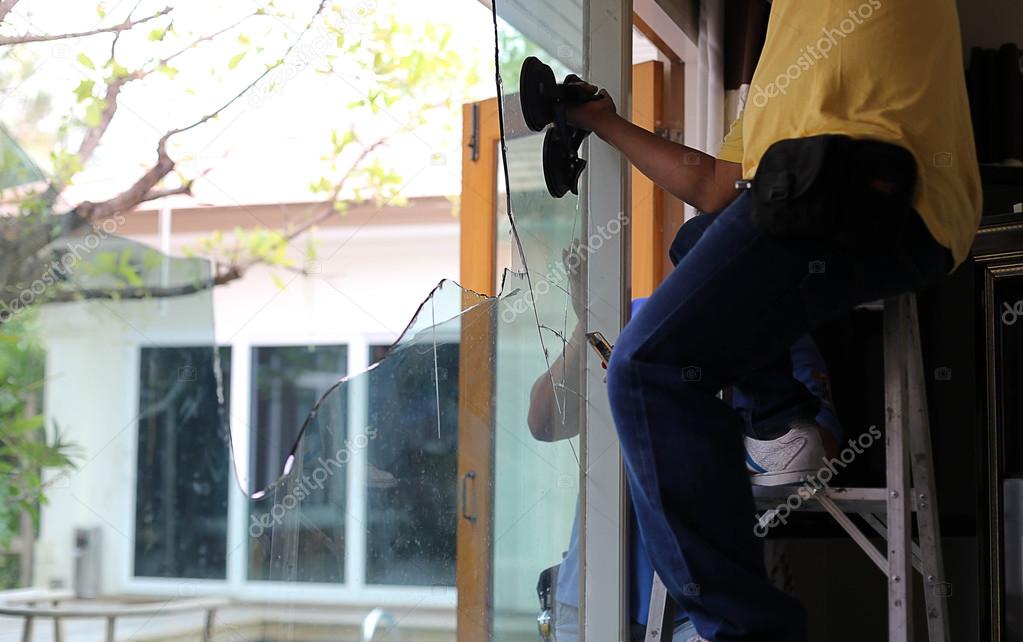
pixel 481 133
pixel 647 216
pixel 669 121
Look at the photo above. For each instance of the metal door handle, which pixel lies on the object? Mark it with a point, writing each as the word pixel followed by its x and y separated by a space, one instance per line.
pixel 471 475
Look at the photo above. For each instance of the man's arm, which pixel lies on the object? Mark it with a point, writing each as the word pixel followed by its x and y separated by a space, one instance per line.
pixel 544 418
pixel 705 182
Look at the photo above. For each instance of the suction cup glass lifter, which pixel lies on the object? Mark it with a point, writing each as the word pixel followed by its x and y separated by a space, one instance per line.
pixel 544 102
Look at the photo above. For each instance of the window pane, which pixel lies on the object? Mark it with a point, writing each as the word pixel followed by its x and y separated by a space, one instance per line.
pixel 539 373
pixel 183 466
pixel 286 382
pixel 412 468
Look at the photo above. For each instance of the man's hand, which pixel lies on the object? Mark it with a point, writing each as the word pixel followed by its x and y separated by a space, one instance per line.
pixel 594 114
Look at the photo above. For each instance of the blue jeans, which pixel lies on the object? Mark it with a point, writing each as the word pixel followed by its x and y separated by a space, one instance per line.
pixel 756 397
pixel 727 314
pixel 566 625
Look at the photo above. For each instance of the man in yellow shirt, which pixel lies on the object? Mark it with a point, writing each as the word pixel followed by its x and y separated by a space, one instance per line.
pixel 878 195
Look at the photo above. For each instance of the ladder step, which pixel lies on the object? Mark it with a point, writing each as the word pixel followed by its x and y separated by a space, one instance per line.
pixel 850 500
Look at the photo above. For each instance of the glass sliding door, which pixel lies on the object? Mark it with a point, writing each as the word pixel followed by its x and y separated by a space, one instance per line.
pixel 538 398
pixel 541 354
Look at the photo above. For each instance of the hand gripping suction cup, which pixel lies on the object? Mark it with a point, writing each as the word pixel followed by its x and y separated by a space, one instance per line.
pixel 544 102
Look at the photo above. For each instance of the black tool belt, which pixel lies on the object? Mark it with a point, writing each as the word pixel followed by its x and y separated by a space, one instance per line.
pixel 836 190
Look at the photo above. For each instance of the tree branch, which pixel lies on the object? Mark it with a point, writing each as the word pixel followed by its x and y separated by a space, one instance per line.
pixel 164 164
pixel 260 77
pixel 161 193
pixel 329 210
pixel 93 136
pixel 117 36
pixel 5 8
pixel 202 39
pixel 132 294
pixel 222 277
pixel 135 194
pixel 123 26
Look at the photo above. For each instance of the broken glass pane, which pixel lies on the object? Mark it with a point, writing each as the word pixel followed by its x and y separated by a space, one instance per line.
pixel 401 445
pixel 404 420
pixel 541 342
pixel 508 367
pixel 286 382
pixel 411 471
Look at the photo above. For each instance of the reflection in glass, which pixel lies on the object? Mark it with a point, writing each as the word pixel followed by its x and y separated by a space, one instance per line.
pixel 286 382
pixel 183 470
pixel 412 467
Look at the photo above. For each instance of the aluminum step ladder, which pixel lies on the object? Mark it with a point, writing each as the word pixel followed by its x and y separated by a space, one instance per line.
pixel 888 511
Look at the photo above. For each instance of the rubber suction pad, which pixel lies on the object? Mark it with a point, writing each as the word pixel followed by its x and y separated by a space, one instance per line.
pixel 537 86
pixel 561 167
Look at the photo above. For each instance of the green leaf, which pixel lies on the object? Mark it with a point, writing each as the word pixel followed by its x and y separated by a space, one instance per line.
pixel 85 61
pixel 236 59
pixel 84 89
pixel 320 186
pixel 94 112
pixel 168 71
pixel 156 35
pixel 117 71
pixel 101 10
pixel 23 426
pixel 128 272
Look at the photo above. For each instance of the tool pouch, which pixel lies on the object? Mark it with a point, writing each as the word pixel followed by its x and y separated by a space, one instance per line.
pixel 835 189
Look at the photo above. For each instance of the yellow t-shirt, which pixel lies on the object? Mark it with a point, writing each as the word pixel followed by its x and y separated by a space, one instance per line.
pixel 889 70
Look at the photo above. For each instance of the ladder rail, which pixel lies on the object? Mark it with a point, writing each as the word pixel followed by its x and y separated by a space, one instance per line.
pixel 910 489
pixel 660 622
pixel 925 496
pixel 875 522
pixel 899 520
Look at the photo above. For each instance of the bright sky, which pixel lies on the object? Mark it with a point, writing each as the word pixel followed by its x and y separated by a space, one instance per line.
pixel 266 148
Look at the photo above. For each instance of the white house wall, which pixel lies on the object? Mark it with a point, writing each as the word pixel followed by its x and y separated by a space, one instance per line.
pixel 367 285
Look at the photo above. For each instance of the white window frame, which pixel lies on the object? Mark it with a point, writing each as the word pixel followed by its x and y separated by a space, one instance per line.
pixel 604 544
pixel 353 591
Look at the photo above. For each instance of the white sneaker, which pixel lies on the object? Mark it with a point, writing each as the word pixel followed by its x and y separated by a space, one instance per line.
pixel 789 459
pixel 378 479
